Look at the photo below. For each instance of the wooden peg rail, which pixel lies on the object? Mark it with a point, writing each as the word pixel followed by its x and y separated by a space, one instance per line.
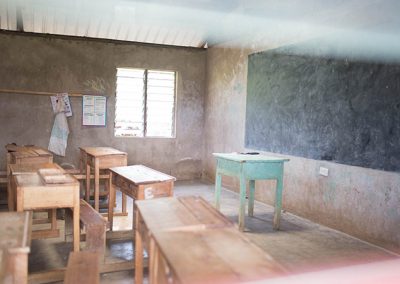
pixel 23 92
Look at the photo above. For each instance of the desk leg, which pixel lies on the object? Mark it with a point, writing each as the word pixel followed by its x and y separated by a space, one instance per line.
pixel 10 195
pixel 111 200
pixel 218 183
pixel 252 186
pixel 53 217
pixel 242 208
pixel 76 226
pixel 278 203
pixel 138 252
pixel 124 211
pixel 96 184
pixel 87 195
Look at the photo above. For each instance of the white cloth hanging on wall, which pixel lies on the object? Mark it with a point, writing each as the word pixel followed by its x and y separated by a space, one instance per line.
pixel 60 131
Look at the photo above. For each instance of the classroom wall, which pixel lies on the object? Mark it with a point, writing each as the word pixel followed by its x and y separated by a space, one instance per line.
pixel 359 201
pixel 55 64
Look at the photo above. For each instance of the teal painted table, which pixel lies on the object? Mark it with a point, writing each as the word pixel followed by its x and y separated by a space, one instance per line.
pixel 252 168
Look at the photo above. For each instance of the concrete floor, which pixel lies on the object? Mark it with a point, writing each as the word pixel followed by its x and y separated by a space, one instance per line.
pixel 299 246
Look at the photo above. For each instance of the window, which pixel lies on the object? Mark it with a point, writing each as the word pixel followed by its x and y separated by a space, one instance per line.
pixel 145 103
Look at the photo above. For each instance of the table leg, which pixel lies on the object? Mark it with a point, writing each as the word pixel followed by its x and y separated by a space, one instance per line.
pixel 278 203
pixel 242 208
pixel 10 195
pixel 124 211
pixel 252 186
pixel 96 184
pixel 87 195
pixel 111 200
pixel 218 183
pixel 53 217
pixel 138 252
pixel 76 232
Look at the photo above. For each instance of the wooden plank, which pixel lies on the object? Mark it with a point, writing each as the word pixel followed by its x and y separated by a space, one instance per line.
pixel 37 93
pixel 171 213
pixel 102 151
pixel 139 174
pixel 83 267
pixel 212 256
pixel 56 275
pixel 45 234
pixel 17 169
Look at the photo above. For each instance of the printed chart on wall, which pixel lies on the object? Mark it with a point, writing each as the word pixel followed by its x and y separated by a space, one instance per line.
pixel 94 110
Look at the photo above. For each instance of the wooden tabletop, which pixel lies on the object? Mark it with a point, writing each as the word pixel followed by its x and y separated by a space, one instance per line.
pixel 31 168
pixel 215 256
pixel 139 174
pixel 34 180
pixel 101 151
pixel 242 158
pixel 27 151
pixel 15 230
pixel 171 213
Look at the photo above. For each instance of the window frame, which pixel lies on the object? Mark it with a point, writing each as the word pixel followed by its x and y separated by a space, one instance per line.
pixel 174 111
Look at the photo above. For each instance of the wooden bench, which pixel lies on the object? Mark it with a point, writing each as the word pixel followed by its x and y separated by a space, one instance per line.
pixel 83 267
pixel 95 226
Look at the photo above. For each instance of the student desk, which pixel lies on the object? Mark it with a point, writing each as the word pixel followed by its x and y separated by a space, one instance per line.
pixel 24 155
pixel 101 158
pixel 32 194
pixel 138 182
pixel 15 239
pixel 189 241
pixel 27 154
pixel 20 169
pixel 252 168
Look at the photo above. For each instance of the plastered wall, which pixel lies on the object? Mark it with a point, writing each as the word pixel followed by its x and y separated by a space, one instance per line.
pixel 53 64
pixel 358 201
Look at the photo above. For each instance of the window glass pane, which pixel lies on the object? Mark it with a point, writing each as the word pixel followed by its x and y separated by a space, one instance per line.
pixel 129 106
pixel 160 103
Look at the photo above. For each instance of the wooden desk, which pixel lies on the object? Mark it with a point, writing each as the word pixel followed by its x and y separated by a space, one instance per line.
pixel 25 168
pixel 138 182
pixel 15 232
pixel 27 154
pixel 101 158
pixel 24 155
pixel 32 194
pixel 169 214
pixel 221 255
pixel 252 168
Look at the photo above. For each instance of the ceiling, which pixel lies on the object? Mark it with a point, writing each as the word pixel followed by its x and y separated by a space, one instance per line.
pixel 208 22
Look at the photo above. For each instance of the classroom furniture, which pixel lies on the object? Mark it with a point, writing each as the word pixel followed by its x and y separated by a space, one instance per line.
pixel 252 168
pixel 95 226
pixel 82 267
pixel 189 241
pixel 15 239
pixel 138 182
pixel 32 193
pixel 100 158
pixel 24 168
pixel 24 155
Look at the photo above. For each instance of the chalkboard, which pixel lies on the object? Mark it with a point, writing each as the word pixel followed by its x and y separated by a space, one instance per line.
pixel 324 108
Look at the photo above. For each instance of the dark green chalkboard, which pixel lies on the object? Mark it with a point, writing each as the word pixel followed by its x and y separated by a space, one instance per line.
pixel 324 108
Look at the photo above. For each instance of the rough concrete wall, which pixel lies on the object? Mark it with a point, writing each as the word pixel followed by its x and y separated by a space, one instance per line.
pixel 358 201
pixel 73 65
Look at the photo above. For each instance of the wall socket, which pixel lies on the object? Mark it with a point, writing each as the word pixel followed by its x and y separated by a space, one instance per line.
pixel 323 171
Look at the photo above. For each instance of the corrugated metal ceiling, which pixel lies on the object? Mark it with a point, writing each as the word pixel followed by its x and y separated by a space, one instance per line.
pixel 193 23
